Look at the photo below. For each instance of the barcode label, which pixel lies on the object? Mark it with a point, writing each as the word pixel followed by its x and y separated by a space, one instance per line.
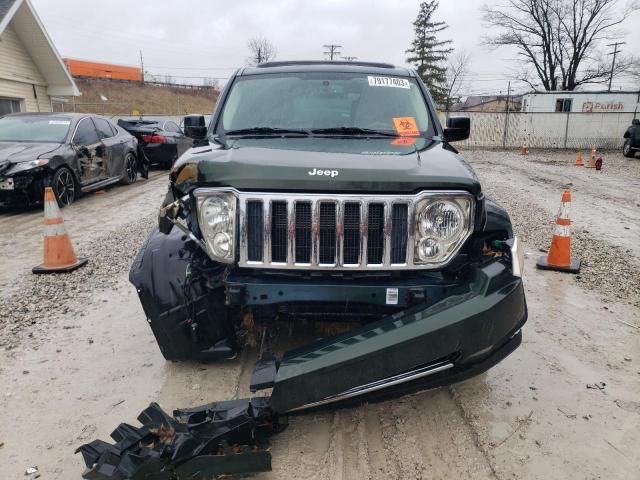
pixel 392 296
pixel 389 82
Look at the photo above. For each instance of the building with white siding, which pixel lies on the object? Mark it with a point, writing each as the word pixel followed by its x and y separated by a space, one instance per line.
pixel 31 70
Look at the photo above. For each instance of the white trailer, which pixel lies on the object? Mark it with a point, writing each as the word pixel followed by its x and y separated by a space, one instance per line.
pixel 581 102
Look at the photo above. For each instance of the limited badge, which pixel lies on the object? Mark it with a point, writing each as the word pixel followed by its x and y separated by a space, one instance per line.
pixel 406 126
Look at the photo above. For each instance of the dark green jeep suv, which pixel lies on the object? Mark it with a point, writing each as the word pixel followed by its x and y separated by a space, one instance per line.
pixel 325 219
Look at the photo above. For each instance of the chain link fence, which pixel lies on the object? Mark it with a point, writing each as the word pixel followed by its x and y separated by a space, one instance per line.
pixel 545 130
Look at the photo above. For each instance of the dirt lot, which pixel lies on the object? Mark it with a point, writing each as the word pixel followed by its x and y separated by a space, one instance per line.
pixel 77 358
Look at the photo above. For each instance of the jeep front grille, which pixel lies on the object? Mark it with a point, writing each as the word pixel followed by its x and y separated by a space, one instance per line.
pixel 320 231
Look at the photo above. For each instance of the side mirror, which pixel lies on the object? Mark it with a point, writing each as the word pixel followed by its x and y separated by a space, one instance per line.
pixel 195 127
pixel 458 128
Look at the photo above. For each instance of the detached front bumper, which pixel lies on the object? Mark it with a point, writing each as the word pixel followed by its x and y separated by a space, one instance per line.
pixel 456 330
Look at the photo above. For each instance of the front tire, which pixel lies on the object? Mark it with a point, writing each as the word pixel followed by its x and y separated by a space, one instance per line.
pixel 130 174
pixel 64 186
pixel 626 149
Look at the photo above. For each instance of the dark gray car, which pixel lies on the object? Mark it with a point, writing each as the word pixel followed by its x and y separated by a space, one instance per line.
pixel 73 153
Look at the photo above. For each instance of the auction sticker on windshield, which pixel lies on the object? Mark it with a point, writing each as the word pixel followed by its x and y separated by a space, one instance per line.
pixel 389 82
pixel 406 126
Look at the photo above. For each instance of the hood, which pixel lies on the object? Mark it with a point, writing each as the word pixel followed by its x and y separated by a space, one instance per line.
pixel 24 151
pixel 320 164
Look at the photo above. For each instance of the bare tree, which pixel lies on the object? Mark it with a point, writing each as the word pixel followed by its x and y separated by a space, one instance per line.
pixel 457 71
pixel 261 50
pixel 558 40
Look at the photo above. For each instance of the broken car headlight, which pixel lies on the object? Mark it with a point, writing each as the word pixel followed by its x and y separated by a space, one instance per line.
pixel 216 217
pixel 21 166
pixel 442 225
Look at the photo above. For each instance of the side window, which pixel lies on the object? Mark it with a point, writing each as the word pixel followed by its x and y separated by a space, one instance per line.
pixel 564 104
pixel 172 127
pixel 103 127
pixel 85 133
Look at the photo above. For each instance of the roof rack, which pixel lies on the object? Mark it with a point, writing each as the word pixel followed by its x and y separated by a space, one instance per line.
pixel 324 62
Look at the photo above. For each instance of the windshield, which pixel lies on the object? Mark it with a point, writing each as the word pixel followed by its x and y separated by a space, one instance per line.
pixel 37 128
pixel 325 103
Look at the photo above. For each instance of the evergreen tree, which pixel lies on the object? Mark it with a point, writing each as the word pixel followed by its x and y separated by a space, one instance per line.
pixel 427 53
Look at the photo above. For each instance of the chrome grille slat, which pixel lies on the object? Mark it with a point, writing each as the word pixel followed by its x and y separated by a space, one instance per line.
pixel 316 231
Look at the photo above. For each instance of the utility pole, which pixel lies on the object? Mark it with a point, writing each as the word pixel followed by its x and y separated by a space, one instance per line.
pixel 506 116
pixel 332 50
pixel 141 67
pixel 349 59
pixel 613 61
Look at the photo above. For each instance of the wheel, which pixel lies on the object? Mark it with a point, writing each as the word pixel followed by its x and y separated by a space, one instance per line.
pixel 626 150
pixel 130 169
pixel 64 186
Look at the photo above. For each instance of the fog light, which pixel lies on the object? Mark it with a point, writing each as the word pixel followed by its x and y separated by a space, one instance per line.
pixel 428 248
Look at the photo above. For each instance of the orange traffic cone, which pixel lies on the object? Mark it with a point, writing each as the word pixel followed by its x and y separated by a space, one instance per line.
pixel 579 162
pixel 58 251
pixel 559 256
pixel 592 158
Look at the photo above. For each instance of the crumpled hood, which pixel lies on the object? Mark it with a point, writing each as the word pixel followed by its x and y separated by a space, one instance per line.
pixel 24 151
pixel 362 166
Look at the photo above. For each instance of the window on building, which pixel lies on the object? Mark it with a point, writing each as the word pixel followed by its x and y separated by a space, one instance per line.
pixel 10 105
pixel 563 104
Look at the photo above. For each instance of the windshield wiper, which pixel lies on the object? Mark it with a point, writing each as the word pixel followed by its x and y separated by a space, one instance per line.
pixel 353 131
pixel 267 131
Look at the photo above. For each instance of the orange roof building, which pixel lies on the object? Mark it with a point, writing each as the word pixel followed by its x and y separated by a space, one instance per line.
pixel 82 68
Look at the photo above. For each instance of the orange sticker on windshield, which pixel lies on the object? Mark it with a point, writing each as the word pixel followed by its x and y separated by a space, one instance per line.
pixel 403 141
pixel 406 126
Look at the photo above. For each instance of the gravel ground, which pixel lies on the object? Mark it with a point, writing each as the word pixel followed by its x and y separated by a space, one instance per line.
pixel 71 294
pixel 610 269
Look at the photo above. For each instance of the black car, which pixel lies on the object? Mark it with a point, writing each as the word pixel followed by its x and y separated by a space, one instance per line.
pixel 160 141
pixel 72 152
pixel 632 139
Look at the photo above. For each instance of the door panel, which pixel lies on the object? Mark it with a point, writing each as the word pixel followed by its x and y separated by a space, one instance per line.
pixel 91 152
pixel 114 148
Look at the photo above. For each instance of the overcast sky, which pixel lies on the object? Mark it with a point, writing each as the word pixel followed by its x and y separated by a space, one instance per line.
pixel 209 38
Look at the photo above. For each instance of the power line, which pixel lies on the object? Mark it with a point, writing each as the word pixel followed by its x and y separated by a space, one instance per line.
pixel 332 50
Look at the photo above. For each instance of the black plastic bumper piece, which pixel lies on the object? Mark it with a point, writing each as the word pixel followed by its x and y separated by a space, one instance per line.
pixel 230 437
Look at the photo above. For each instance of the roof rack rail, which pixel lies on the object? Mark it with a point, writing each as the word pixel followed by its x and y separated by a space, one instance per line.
pixel 324 62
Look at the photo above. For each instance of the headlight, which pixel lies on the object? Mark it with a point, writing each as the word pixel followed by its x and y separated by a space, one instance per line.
pixel 21 166
pixel 442 225
pixel 217 220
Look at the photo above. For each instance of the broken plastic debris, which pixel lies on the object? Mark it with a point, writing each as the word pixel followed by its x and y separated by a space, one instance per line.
pixel 31 470
pixel 596 386
pixel 229 437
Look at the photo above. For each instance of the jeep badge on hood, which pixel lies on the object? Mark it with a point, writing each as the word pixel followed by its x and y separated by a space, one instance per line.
pixel 326 173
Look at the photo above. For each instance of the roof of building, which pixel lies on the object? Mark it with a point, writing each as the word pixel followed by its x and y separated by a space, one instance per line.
pixel 584 92
pixel 5 6
pixel 32 34
pixel 477 100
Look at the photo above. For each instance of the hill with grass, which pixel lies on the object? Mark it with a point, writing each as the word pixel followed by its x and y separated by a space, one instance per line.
pixel 118 97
